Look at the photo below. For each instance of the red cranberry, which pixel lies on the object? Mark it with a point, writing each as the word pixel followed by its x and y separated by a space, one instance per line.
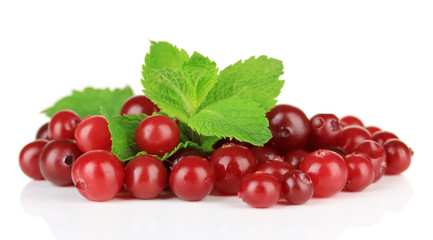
pixel 398 156
pixel 43 132
pixel 63 124
pixel 290 128
pixel 376 153
pixel 264 154
pixel 383 136
pixel 93 134
pixel 361 172
pixel 138 104
pixel 29 159
pixel 327 170
pixel 352 135
pixel 275 168
pixel 325 130
pixel 231 164
pixel 373 129
pixel 260 190
pixel 297 187
pixel 295 157
pixel 351 121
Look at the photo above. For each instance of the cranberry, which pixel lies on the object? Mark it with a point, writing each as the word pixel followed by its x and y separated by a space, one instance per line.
pixel 231 163
pixel 225 141
pixel 289 126
pixel 43 132
pixel 29 159
pixel 376 153
pixel 337 150
pixel 361 172
pixel 383 136
pixel 327 170
pixel 157 135
pixel 145 177
pixel 63 124
pixel 373 129
pixel 138 104
pixel 192 179
pixel 93 134
pixel 56 160
pixel 260 190
pixel 275 168
pixel 325 130
pixel 180 154
pixel 295 157
pixel 352 135
pixel 98 175
pixel 398 156
pixel 264 154
pixel 351 121
pixel 297 187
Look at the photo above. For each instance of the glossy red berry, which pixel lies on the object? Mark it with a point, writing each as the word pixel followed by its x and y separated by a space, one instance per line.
pixel 63 124
pixel 264 154
pixel 192 178
pixel 398 156
pixel 157 135
pixel 145 177
pixel 376 153
pixel 231 163
pixel 275 168
pixel 351 121
pixel 325 130
pixel 56 160
pixel 43 132
pixel 260 190
pixel 383 136
pixel 327 170
pixel 290 128
pixel 352 135
pixel 295 157
pixel 360 172
pixel 93 134
pixel 29 159
pixel 337 150
pixel 373 129
pixel 98 175
pixel 138 104
pixel 297 187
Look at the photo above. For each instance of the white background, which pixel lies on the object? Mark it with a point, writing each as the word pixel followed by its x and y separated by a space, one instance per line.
pixel 370 58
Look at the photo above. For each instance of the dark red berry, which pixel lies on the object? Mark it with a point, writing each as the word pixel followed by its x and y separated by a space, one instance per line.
pixel 43 132
pixel 352 135
pixel 351 121
pixel 93 134
pixel 373 129
pixel 275 168
pixel 337 150
pixel 231 163
pixel 98 175
pixel 157 135
pixel 264 154
pixel 376 153
pixel 398 156
pixel 145 177
pixel 63 124
pixel 325 130
pixel 260 190
pixel 138 104
pixel 360 172
pixel 29 159
pixel 297 187
pixel 56 160
pixel 383 136
pixel 295 157
pixel 290 128
pixel 192 178
pixel 327 170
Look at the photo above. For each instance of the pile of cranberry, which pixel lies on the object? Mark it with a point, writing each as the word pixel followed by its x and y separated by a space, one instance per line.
pixel 316 157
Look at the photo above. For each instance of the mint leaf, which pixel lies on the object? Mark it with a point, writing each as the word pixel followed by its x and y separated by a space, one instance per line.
pixel 90 100
pixel 233 117
pixel 177 89
pixel 187 144
pixel 255 78
pixel 122 129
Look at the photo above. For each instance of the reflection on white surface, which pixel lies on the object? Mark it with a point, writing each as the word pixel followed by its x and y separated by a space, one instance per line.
pixel 70 216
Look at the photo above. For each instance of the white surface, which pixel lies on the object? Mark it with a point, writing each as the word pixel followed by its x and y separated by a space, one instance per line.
pixel 372 59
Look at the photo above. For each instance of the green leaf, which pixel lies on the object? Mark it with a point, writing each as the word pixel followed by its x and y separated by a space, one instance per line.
pixel 122 129
pixel 233 117
pixel 90 100
pixel 207 142
pixel 164 55
pixel 187 144
pixel 255 78
pixel 178 90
